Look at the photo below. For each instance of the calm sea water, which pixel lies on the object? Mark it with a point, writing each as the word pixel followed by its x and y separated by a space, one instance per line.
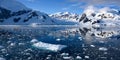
pixel 81 43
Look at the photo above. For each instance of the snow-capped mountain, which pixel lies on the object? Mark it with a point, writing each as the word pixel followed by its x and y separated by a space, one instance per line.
pixel 17 13
pixel 92 17
pixel 101 17
pixel 66 16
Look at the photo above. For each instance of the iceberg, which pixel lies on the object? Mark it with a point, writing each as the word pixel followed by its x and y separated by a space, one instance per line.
pixel 48 46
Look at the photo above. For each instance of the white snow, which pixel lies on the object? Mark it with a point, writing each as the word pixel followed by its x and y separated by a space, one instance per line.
pixel 48 46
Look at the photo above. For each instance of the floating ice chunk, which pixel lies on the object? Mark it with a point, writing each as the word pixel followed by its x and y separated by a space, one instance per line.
pixel 2 58
pixel 80 38
pixel 47 46
pixel 47 58
pixel 103 49
pixel 78 57
pixel 12 44
pixel 87 57
pixel 21 44
pixel 92 45
pixel 67 57
pixel 58 39
pixel 34 41
pixel 64 54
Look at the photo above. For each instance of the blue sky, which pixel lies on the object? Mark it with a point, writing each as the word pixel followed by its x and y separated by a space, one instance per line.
pixel 74 6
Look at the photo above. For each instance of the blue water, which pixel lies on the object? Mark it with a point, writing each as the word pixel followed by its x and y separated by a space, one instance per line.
pixel 15 43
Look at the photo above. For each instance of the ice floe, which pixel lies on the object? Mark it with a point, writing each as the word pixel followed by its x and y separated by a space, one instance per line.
pixel 48 46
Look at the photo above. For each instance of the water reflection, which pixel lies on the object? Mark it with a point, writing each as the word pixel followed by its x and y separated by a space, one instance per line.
pixel 82 43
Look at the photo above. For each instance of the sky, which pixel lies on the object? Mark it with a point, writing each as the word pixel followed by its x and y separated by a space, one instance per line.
pixel 73 6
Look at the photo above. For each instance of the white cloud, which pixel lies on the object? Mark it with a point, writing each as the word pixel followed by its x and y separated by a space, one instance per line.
pixel 89 10
pixel 92 9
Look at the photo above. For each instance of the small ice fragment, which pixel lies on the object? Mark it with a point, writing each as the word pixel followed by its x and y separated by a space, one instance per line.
pixel 103 49
pixel 67 57
pixel 87 57
pixel 47 58
pixel 58 39
pixel 92 45
pixel 78 57
pixel 21 44
pixel 64 54
pixel 34 41
pixel 12 44
pixel 80 38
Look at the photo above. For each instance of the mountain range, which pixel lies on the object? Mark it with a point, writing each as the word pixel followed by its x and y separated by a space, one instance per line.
pixel 16 13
